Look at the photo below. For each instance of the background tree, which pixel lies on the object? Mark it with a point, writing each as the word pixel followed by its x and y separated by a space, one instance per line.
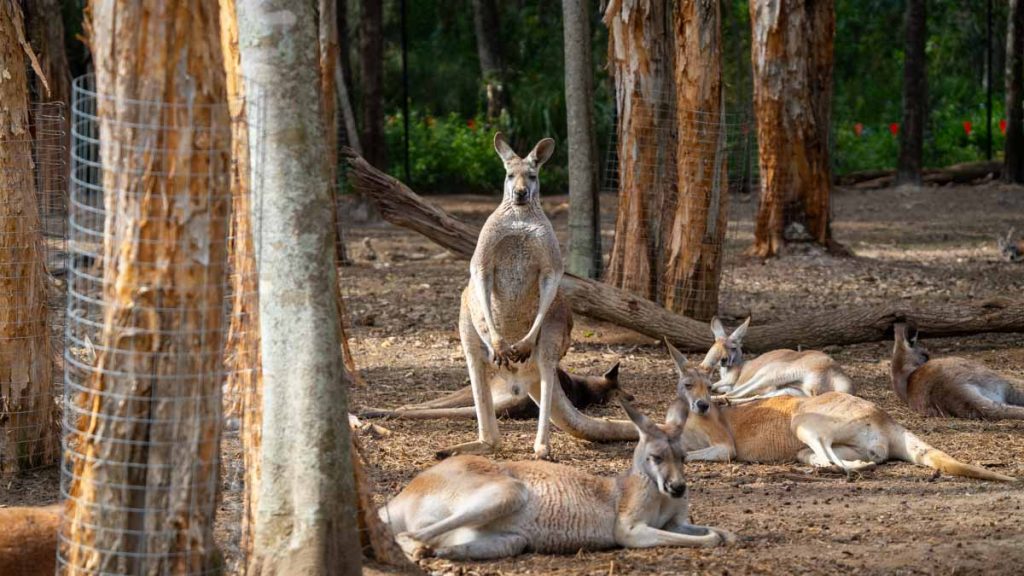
pixel 488 47
pixel 693 260
pixel 915 93
pixel 156 466
pixel 26 433
pixel 640 59
pixel 371 60
pixel 584 205
pixel 306 514
pixel 1013 169
pixel 792 59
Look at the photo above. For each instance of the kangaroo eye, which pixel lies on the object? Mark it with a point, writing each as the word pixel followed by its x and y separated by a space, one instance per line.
pixel 656 459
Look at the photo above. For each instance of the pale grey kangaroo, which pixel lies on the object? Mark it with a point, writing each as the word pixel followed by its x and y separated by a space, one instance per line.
pixel 513 316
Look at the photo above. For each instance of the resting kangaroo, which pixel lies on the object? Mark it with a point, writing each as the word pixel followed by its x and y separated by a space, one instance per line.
pixel 775 373
pixel 513 296
pixel 469 507
pixel 833 429
pixel 1010 251
pixel 510 398
pixel 951 386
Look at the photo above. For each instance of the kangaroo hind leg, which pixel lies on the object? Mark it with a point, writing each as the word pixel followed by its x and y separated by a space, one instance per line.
pixel 487 422
pixel 489 546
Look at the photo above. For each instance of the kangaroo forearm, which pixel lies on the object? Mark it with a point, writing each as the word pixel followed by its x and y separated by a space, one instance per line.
pixel 548 291
pixel 482 291
pixel 644 536
pixel 718 453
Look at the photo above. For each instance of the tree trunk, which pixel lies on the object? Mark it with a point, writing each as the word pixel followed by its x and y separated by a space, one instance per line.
pixel 792 58
pixel 27 437
pixel 694 258
pixel 1014 146
pixel 849 325
pixel 371 59
pixel 143 456
pixel 488 49
pixel 584 209
pixel 640 58
pixel 306 515
pixel 44 27
pixel 244 387
pixel 915 93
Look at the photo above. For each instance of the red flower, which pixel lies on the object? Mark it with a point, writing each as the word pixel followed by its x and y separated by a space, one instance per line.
pixel 968 127
pixel 471 124
pixel 858 128
pixel 894 128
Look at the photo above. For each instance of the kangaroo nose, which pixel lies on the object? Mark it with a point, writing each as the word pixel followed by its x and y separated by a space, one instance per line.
pixel 702 406
pixel 676 489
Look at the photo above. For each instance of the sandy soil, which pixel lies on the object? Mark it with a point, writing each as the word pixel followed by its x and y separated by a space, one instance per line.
pixel 930 243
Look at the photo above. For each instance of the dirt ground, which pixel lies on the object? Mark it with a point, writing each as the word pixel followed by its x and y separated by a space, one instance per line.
pixel 926 243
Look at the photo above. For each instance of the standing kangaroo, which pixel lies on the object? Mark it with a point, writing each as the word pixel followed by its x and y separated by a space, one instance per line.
pixel 512 297
pixel 951 386
pixel 472 508
pixel 510 400
pixel 830 430
pixel 775 373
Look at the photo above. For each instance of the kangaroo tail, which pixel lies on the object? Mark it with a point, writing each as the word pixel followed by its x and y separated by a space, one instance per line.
pixel 905 445
pixel 579 425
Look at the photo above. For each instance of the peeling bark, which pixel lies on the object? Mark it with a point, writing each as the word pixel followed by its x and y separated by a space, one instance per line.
pixel 144 465
pixel 1013 170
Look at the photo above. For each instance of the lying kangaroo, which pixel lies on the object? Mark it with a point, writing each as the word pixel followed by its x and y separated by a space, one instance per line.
pixel 512 296
pixel 775 373
pixel 951 386
pixel 28 540
pixel 472 508
pixel 1010 251
pixel 833 429
pixel 510 399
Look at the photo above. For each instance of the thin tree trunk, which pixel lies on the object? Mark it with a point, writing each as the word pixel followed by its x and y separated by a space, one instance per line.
pixel 915 93
pixel 640 58
pixel 792 57
pixel 345 104
pixel 143 488
pixel 584 208
pixel 371 40
pixel 488 49
pixel 1014 146
pixel 244 386
pixel 345 47
pixel 306 516
pixel 694 256
pixel 27 437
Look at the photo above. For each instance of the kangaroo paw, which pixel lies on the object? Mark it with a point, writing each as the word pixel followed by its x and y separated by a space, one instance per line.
pixel 477 447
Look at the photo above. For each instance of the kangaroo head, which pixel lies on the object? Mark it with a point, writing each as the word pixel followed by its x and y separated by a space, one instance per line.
pixel 1010 250
pixel 727 351
pixel 693 390
pixel 907 356
pixel 659 455
pixel 522 186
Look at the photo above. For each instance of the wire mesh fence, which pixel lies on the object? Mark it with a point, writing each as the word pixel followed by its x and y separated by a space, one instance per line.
pixel 32 237
pixel 681 178
pixel 147 308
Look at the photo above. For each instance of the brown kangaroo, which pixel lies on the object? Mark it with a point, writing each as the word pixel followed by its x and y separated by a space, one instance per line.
pixel 951 386
pixel 833 429
pixel 472 508
pixel 513 297
pixel 28 540
pixel 510 401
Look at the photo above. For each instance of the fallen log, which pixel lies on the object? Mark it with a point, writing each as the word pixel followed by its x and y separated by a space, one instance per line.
pixel 963 173
pixel 403 207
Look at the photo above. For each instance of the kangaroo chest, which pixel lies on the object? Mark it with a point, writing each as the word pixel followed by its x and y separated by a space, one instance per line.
pixel 762 432
pixel 515 295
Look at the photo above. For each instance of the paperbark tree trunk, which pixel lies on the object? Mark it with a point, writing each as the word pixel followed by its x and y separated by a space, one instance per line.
pixel 693 259
pixel 915 93
pixel 792 59
pixel 306 515
pixel 27 437
pixel 584 208
pixel 143 489
pixel 1013 170
pixel 488 49
pixel 640 58
pixel 242 359
pixel 371 60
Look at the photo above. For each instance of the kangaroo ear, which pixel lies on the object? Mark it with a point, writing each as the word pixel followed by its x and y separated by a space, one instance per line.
pixel 502 148
pixel 677 358
pixel 717 329
pixel 899 333
pixel 738 334
pixel 678 412
pixel 542 152
pixel 612 375
pixel 642 423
